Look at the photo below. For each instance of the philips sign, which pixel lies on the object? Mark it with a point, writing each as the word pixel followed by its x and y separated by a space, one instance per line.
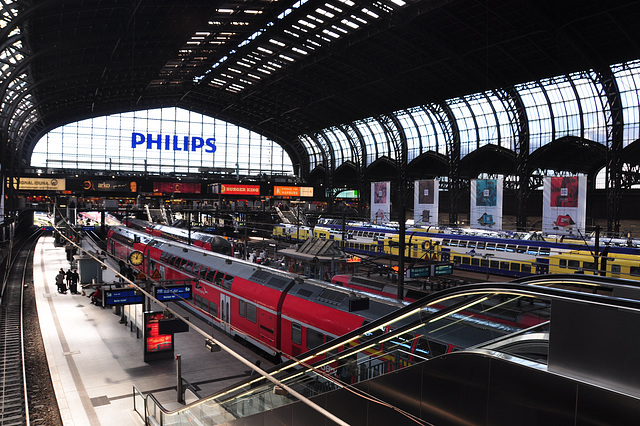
pixel 173 142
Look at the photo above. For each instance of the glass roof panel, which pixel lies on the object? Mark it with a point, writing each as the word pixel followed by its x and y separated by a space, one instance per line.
pixel 628 82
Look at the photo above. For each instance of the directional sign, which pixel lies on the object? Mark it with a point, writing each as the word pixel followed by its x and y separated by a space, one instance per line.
pixel 126 296
pixel 172 292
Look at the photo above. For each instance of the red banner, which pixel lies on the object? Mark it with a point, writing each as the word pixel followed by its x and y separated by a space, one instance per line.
pixel 240 189
pixel 176 187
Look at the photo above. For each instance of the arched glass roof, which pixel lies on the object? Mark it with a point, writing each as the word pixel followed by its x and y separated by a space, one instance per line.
pixel 166 140
pixel 568 105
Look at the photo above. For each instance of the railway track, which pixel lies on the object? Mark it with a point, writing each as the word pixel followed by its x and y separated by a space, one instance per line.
pixel 24 399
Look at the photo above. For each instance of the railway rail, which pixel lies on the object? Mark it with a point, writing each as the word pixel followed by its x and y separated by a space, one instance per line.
pixel 26 392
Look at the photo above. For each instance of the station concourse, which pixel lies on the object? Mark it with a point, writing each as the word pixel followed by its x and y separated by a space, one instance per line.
pixel 95 360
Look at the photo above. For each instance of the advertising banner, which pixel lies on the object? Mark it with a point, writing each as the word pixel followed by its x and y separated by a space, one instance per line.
pixel 380 202
pixel 425 202
pixel 564 210
pixel 39 184
pixel 486 204
pixel 176 187
pixel 110 185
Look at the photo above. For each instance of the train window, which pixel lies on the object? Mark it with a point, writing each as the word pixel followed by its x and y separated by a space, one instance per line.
pixel 228 280
pixel 454 243
pixel 197 299
pixel 526 268
pixel 218 279
pixel 590 266
pixel 466 260
pixel 511 248
pixel 615 269
pixel 213 309
pixel 484 263
pixel 471 244
pixel 573 264
pixel 481 245
pixel 500 247
pixel 188 266
pixel 296 333
pixel 495 264
pixel 314 338
pixel 164 256
pixel 196 269
pixel 426 348
pixel 634 270
pixel 533 251
pixel 545 251
pixel 210 275
pixel 521 249
pixel 515 266
pixel 462 244
pixel 203 272
pixel 252 312
pixel 491 246
pixel 241 308
pixel 475 261
pixel 172 259
pixel 456 260
pixel 504 265
pixel 562 263
pixel 445 242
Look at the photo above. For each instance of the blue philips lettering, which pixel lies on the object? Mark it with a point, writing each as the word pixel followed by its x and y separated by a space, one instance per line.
pixel 172 142
pixel 196 143
pixel 211 144
pixel 136 139
pixel 151 141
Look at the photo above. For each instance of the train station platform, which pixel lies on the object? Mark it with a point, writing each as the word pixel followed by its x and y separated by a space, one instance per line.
pixel 95 360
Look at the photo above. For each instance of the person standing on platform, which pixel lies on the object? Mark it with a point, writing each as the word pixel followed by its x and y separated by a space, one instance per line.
pixel 68 276
pixel 75 277
pixel 62 288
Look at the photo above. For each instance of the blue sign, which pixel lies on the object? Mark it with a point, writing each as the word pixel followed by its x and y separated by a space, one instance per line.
pixel 443 269
pixel 88 228
pixel 126 296
pixel 420 272
pixel 172 292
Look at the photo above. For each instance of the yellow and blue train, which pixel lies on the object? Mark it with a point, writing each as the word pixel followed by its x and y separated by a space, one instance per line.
pixel 505 253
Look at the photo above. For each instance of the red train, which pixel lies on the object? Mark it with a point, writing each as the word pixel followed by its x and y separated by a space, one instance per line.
pixel 284 313
pixel 276 311
pixel 215 243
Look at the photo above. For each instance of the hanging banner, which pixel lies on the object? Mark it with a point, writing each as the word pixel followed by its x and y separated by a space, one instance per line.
pixel 176 187
pixel 564 210
pixel 39 184
pixel 425 202
pixel 380 202
pixel 486 204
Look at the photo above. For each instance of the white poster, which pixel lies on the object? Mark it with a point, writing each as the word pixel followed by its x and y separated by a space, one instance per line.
pixel 486 204
pixel 564 208
pixel 425 202
pixel 380 202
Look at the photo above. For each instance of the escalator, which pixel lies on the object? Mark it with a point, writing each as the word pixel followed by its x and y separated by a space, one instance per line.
pixel 477 354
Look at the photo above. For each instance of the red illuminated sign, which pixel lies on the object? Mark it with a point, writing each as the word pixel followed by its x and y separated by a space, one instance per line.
pixel 176 187
pixel 240 189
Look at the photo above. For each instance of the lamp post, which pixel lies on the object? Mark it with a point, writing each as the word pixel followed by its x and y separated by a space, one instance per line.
pixel 488 256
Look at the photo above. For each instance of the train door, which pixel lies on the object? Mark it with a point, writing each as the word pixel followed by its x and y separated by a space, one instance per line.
pixel 225 313
pixel 542 266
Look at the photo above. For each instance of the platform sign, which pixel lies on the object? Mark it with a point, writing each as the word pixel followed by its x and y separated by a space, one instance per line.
pixel 177 292
pixel 156 345
pixel 446 269
pixel 419 272
pixel 122 296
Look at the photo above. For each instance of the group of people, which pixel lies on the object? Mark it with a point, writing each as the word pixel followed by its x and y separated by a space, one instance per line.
pixel 68 280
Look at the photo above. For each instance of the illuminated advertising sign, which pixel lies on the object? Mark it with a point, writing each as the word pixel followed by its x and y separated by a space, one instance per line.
pixel 110 185
pixel 156 345
pixel 172 142
pixel 286 191
pixel 176 187
pixel 240 189
pixel 306 191
pixel 39 184
pixel 178 292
